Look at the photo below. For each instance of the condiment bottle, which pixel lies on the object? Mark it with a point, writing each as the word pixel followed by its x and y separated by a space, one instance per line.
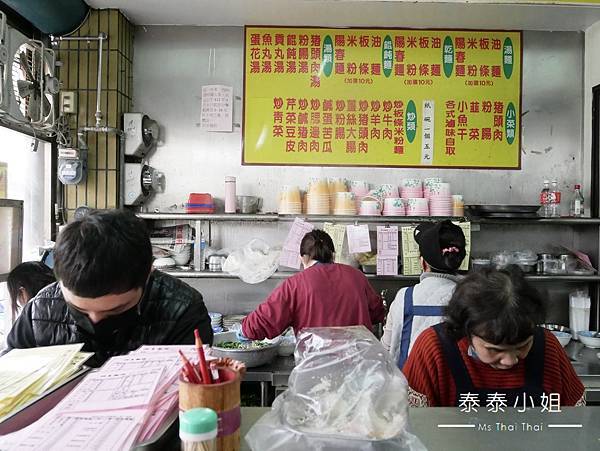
pixel 229 194
pixel 458 205
pixel 198 430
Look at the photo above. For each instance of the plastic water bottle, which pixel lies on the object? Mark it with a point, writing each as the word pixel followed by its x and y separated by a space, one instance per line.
pixel 544 210
pixel 576 207
pixel 555 200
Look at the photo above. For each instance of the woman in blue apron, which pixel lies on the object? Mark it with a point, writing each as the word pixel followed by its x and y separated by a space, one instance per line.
pixel 491 349
pixel 442 247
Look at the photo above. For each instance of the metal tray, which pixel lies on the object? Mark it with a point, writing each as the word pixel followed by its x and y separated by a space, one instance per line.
pixel 503 211
pixel 511 215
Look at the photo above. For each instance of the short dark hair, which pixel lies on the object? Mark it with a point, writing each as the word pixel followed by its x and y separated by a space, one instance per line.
pixel 499 306
pixel 105 252
pixel 318 245
pixel 32 276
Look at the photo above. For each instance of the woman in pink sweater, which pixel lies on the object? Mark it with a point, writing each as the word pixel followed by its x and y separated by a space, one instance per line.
pixel 323 294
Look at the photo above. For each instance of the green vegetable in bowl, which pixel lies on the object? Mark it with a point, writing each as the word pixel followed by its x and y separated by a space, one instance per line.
pixel 241 345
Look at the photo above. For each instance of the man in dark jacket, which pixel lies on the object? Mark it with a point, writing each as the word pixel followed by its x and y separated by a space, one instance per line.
pixel 107 295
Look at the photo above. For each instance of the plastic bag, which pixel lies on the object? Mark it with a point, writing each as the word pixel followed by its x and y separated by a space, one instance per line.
pixel 344 394
pixel 253 263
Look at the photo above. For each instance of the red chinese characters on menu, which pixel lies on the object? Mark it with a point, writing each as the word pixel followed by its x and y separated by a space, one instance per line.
pixel 323 121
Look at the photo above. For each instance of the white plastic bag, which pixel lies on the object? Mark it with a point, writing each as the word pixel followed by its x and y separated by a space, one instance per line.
pixel 344 394
pixel 253 263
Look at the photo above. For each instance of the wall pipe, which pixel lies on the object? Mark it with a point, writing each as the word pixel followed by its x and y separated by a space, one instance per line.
pixel 99 128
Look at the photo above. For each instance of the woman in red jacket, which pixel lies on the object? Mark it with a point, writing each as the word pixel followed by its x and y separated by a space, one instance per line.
pixel 324 294
pixel 490 346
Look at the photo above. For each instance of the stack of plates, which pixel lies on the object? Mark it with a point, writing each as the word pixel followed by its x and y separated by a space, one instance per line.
pixel 230 320
pixel 440 205
pixel 216 321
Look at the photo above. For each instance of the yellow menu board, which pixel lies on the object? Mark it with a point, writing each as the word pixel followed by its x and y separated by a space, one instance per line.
pixel 382 97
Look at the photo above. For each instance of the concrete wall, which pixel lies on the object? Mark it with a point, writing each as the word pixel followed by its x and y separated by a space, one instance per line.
pixel 591 79
pixel 171 65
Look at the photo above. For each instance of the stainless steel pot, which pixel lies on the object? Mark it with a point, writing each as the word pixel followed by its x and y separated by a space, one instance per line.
pixel 215 262
pixel 248 204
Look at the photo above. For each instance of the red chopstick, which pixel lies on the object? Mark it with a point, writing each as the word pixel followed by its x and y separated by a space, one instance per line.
pixel 202 359
pixel 192 373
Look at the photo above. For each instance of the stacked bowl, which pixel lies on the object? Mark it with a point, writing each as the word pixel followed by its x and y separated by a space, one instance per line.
pixel 317 197
pixel 360 188
pixel 393 206
pixel 216 321
pixel 289 200
pixel 369 206
pixel 411 188
pixel 417 206
pixel 427 185
pixel 344 204
pixel 440 199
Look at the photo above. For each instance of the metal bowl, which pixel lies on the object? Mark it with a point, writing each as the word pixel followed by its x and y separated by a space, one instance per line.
pixel 557 328
pixel 250 357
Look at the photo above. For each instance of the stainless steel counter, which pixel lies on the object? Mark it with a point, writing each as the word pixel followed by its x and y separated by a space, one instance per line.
pixel 574 428
pixel 585 361
pixel 587 366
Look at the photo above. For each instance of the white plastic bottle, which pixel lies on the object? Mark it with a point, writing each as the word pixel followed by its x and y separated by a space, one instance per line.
pixel 544 210
pixel 229 194
pixel 576 209
pixel 555 200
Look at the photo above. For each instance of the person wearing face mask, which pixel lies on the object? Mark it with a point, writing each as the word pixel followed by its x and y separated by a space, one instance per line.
pixel 25 281
pixel 324 294
pixel 490 344
pixel 107 296
pixel 442 247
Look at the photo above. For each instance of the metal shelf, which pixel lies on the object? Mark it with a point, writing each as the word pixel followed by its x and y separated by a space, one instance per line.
pixel 268 217
pixel 274 217
pixel 285 274
pixel 538 221
pixel 371 219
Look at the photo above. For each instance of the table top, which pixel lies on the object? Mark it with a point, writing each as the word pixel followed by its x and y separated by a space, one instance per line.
pixel 574 428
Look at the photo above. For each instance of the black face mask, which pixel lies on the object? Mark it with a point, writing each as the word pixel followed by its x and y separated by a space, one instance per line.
pixel 109 328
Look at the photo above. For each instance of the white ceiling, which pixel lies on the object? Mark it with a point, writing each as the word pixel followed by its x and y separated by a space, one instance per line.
pixel 340 13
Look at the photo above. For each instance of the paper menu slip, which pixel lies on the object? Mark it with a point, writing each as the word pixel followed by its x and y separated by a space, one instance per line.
pixel 466 228
pixel 358 238
pixel 113 390
pixel 337 232
pixel 108 431
pixel 387 266
pixel 26 374
pixel 290 253
pixel 217 108
pixel 289 258
pixel 387 241
pixel 410 252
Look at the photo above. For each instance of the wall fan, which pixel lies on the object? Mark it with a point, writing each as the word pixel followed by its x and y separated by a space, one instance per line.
pixel 28 83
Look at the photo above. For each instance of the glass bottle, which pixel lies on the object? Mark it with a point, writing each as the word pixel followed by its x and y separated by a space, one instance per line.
pixel 576 207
